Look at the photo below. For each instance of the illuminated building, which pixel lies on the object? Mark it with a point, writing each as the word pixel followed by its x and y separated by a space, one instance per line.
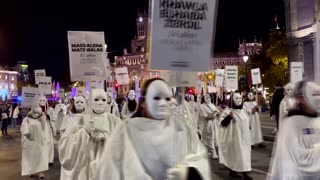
pixel 8 83
pixel 23 70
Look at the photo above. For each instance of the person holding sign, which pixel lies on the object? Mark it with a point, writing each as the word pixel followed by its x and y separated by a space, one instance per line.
pixel 298 142
pixel 152 145
pixel 208 114
pixel 82 145
pixel 34 144
pixel 112 107
pixel 130 106
pixel 253 112
pixel 235 138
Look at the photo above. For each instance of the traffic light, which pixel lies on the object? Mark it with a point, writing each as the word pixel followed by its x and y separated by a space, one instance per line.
pixel 117 87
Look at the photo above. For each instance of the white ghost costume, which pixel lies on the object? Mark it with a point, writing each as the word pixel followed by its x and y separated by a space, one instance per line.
pixel 194 107
pixel 34 143
pixel 60 111
pixel 252 109
pixel 287 102
pixel 126 112
pixel 297 154
pixel 82 144
pixel 186 112
pixel 235 138
pixel 51 129
pixel 112 107
pixel 145 149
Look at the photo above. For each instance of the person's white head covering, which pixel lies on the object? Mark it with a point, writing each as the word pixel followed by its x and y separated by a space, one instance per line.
pixel 131 95
pixel 310 90
pixel 289 89
pixel 99 95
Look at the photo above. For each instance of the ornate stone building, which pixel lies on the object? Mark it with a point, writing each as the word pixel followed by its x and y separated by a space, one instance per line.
pixel 302 24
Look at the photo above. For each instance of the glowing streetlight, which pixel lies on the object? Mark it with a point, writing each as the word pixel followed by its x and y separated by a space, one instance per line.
pixel 245 59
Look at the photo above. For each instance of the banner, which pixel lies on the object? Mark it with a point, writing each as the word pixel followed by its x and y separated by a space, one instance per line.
pixel 296 72
pixel 212 89
pixel 182 34
pixel 87 56
pixel 219 78
pixel 122 76
pixel 44 85
pixel 30 96
pixel 256 76
pixel 61 93
pixel 199 86
pixel 231 78
pixel 187 79
pixel 38 74
pixel 81 91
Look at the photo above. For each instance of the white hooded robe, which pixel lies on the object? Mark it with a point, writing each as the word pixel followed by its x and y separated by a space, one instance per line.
pixel 254 120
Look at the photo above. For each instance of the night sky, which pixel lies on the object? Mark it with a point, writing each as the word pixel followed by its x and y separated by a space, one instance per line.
pixel 36 31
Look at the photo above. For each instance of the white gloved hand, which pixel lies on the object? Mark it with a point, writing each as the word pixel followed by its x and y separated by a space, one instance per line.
pixel 179 173
pixel 98 137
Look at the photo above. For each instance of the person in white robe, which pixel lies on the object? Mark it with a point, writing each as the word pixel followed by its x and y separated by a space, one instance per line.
pixel 235 138
pixel 51 133
pixel 253 110
pixel 194 107
pixel 82 144
pixel 297 155
pixel 152 146
pixel 60 111
pixel 286 103
pixel 34 144
pixel 209 114
pixel 129 106
pixel 112 107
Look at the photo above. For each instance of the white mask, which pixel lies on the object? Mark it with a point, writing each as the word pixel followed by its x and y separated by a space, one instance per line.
pixel 312 95
pixel 199 99
pixel 207 99
pixel 157 99
pixel 289 89
pixel 42 101
pixel 250 96
pixel 79 103
pixel 192 98
pixel 59 101
pixel 36 112
pixel 131 95
pixel 99 101
pixel 109 98
pixel 237 99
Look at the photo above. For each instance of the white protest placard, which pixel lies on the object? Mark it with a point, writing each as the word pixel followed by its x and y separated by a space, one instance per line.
pixel 122 76
pixel 81 91
pixel 199 86
pixel 44 85
pixel 256 76
pixel 231 74
pixel 87 56
pixel 219 78
pixel 181 34
pixel 61 93
pixel 296 72
pixel 212 89
pixel 187 79
pixel 30 96
pixel 38 74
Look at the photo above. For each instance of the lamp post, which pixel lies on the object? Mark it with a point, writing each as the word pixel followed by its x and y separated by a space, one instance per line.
pixel 245 60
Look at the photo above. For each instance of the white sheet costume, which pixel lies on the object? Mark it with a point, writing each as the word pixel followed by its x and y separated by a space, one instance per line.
pixel 194 108
pixel 129 106
pixel 186 112
pixel 82 144
pixel 112 107
pixel 253 110
pixel 209 117
pixel 152 149
pixel 34 143
pixel 235 138
pixel 287 102
pixel 297 154
pixel 60 112
pixel 51 132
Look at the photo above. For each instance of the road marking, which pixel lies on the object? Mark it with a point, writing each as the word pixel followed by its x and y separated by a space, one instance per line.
pixel 259 171
pixel 266 127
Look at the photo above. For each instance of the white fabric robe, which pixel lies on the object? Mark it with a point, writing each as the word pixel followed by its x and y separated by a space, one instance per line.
pixel 254 120
pixel 297 154
pixel 67 121
pixel 51 133
pixel 188 116
pixel 78 153
pixel 142 149
pixel 59 116
pixel 235 141
pixel 125 113
pixel 194 108
pixel 285 105
pixel 35 147
pixel 209 115
pixel 115 109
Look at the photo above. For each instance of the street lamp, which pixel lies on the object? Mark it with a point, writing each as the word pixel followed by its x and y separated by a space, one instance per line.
pixel 245 60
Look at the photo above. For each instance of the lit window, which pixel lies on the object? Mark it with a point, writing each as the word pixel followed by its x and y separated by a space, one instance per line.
pixel 12 86
pixel 6 86
pixel 12 78
pixel 6 77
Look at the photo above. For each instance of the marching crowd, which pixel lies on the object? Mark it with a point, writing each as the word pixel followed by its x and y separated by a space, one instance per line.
pixel 162 135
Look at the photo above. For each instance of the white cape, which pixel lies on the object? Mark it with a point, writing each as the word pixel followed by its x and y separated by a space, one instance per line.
pixel 34 148
pixel 255 124
pixel 297 155
pixel 235 141
pixel 143 149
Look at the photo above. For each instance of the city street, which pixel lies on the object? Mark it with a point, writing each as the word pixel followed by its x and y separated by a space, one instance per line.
pixel 10 157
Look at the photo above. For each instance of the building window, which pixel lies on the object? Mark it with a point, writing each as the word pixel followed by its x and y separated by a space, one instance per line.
pixel 6 77
pixel 12 78
pixel 12 86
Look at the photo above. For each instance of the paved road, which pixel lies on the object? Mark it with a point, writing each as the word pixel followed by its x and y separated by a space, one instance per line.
pixel 10 161
pixel 267 126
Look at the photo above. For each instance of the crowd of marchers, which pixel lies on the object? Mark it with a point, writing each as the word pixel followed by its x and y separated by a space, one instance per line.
pixel 162 135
